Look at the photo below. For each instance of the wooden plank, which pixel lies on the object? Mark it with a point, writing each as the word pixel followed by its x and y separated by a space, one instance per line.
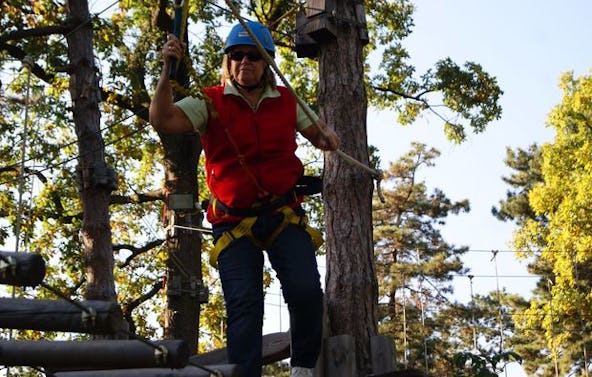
pixel 340 356
pixel 21 269
pixel 314 7
pixel 401 373
pixel 276 347
pixel 382 353
pixel 94 354
pixel 100 317
pixel 189 371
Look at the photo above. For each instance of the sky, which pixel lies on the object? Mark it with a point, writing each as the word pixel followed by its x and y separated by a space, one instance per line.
pixel 526 45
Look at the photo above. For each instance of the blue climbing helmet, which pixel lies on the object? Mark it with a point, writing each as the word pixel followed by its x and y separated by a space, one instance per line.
pixel 239 36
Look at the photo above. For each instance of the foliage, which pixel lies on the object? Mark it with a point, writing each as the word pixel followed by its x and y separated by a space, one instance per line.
pixel 527 174
pixel 554 230
pixel 471 365
pixel 469 94
pixel 127 41
pixel 415 264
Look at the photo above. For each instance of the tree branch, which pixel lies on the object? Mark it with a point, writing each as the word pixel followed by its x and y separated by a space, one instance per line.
pixel 135 250
pixel 150 196
pixel 128 307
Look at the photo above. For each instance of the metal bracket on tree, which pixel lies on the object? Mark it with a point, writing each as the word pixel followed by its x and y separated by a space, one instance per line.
pixel 99 174
pixel 178 285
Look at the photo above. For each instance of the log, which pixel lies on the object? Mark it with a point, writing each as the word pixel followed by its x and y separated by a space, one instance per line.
pixel 227 370
pixel 276 347
pixel 21 269
pixel 190 371
pixel 94 354
pixel 101 317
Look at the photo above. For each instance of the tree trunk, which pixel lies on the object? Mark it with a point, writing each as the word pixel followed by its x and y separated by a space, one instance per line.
pixel 184 278
pixel 351 285
pixel 96 180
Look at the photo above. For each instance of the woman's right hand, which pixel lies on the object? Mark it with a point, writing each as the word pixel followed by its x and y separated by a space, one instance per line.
pixel 172 48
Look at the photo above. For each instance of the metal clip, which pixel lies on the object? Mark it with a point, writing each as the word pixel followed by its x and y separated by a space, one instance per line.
pixel 160 355
pixel 89 318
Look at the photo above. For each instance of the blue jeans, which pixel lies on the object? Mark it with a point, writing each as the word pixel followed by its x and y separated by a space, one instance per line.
pixel 292 256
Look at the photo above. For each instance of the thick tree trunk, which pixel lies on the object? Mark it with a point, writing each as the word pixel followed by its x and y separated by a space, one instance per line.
pixel 184 284
pixel 351 285
pixel 184 277
pixel 95 178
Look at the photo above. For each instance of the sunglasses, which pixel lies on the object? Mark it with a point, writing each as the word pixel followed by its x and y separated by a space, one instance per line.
pixel 252 56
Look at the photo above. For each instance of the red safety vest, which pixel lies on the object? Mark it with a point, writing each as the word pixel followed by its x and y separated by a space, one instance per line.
pixel 249 154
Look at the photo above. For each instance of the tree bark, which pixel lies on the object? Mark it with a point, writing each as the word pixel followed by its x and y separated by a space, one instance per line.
pixel 184 277
pixel 351 285
pixel 95 178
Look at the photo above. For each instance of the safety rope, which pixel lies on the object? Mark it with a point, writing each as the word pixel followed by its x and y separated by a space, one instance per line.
pixel 376 174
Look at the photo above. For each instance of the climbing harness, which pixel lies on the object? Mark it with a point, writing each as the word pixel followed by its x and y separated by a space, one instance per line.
pixel 245 229
pixel 306 185
pixel 376 173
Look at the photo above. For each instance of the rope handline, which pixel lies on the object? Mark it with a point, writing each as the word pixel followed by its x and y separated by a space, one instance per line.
pixel 376 174
pixel 199 229
pixel 77 304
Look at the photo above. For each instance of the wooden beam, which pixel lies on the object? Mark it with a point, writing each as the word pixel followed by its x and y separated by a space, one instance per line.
pixel 189 371
pixel 94 354
pixel 99 317
pixel 276 347
pixel 401 373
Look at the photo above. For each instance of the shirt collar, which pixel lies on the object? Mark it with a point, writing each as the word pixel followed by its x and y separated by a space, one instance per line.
pixel 269 92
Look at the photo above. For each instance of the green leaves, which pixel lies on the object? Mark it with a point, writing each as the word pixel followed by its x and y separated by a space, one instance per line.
pixel 469 364
pixel 552 206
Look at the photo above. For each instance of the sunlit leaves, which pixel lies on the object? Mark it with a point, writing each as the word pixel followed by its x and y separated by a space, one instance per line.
pixel 560 229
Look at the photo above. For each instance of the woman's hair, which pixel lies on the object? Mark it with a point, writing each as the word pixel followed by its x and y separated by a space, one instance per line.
pixel 267 79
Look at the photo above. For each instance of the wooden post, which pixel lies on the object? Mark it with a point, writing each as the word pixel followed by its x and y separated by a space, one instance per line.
pixel 340 356
pixel 382 352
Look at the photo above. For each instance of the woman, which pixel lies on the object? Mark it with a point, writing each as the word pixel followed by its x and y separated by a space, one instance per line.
pixel 248 126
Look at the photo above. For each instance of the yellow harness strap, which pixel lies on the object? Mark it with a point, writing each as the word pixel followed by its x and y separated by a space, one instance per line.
pixel 244 229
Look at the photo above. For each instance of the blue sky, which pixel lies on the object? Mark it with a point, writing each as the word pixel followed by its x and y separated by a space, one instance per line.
pixel 527 45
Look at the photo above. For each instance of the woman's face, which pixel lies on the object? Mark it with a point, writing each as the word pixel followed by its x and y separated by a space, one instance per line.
pixel 246 64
